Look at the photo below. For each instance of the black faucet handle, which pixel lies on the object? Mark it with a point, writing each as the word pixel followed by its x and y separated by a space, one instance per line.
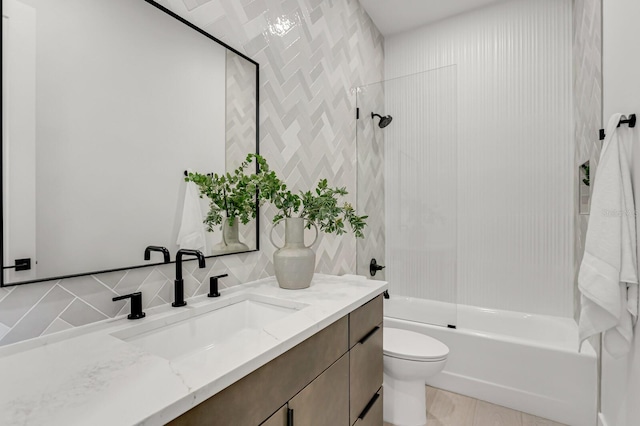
pixel 220 276
pixel 375 267
pixel 163 250
pixel 213 285
pixel 136 304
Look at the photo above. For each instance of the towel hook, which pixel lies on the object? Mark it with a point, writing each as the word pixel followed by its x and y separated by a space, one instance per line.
pixel 186 173
pixel 631 121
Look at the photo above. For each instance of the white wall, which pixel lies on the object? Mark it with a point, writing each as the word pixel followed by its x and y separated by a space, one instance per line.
pixel 621 93
pixel 515 148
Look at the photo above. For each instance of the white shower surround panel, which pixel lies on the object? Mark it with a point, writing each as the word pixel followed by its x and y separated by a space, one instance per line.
pixel 421 185
pixel 515 199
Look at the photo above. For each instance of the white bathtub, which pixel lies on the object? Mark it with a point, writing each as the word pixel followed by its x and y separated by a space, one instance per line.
pixel 526 362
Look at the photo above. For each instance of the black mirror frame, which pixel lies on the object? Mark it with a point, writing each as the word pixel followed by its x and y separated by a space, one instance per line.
pixel 21 264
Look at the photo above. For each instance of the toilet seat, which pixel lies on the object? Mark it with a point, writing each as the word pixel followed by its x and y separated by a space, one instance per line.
pixel 404 344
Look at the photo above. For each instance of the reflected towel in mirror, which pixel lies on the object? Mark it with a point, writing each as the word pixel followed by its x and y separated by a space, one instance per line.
pixel 192 229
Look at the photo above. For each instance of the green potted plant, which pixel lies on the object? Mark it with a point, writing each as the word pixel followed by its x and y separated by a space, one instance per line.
pixel 232 198
pixel 321 209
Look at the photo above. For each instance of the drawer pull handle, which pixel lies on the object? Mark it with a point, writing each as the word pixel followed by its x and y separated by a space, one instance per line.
pixel 369 334
pixel 289 416
pixel 368 407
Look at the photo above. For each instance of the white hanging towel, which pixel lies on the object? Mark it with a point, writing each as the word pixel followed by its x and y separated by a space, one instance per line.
pixel 192 229
pixel 608 277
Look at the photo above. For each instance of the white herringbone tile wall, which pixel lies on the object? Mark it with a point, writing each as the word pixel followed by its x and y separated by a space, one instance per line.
pixel 241 126
pixel 515 148
pixel 311 53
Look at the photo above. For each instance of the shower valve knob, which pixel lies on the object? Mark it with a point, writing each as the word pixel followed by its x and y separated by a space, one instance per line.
pixel 374 267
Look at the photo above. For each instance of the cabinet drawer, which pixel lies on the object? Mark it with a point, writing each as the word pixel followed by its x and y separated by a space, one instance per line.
pixel 364 319
pixel 365 360
pixel 372 414
pixel 325 402
pixel 279 418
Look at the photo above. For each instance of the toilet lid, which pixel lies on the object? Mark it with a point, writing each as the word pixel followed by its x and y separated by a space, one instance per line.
pixel 413 346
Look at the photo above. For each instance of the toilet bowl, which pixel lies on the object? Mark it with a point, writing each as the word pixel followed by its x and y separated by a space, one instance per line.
pixel 409 359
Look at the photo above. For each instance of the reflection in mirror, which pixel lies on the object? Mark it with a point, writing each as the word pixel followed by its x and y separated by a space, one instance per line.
pixel 105 105
pixel 584 188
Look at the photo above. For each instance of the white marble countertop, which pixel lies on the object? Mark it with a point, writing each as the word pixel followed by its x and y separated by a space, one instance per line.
pixel 86 376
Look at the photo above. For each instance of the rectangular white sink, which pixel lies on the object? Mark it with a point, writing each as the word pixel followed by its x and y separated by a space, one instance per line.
pixel 233 322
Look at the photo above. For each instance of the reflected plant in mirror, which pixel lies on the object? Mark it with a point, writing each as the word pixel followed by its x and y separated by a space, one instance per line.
pixel 232 200
pixel 584 189
pixel 231 196
pixel 585 169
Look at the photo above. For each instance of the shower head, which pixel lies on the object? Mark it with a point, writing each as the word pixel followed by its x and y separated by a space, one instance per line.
pixel 384 121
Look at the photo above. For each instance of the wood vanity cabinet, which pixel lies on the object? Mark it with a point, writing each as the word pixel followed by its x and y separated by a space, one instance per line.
pixel 279 418
pixel 366 364
pixel 333 378
pixel 325 402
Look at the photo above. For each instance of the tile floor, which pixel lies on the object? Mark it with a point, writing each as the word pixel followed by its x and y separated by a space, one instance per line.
pixel 451 409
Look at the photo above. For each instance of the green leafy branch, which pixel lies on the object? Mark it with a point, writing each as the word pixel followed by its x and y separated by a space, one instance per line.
pixel 231 195
pixel 585 168
pixel 234 194
pixel 320 207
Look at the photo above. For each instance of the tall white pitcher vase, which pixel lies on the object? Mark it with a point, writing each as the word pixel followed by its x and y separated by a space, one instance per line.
pixel 294 262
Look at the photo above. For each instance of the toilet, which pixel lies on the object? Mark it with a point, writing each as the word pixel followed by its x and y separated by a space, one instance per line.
pixel 409 359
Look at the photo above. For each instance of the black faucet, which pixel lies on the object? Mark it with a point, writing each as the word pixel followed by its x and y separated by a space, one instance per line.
pixel 179 282
pixel 213 285
pixel 163 250
pixel 136 305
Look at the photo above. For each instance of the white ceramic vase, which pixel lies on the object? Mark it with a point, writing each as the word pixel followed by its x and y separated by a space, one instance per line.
pixel 294 262
pixel 230 239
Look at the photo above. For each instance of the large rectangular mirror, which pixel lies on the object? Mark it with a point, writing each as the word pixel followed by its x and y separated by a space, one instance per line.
pixel 105 105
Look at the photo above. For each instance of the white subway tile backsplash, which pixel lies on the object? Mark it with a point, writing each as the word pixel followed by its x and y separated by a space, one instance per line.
pixel 132 282
pixel 111 279
pixel 36 321
pixel 57 325
pixel 80 313
pixel 3 330
pixel 4 292
pixel 21 299
pixel 152 286
pixel 94 293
